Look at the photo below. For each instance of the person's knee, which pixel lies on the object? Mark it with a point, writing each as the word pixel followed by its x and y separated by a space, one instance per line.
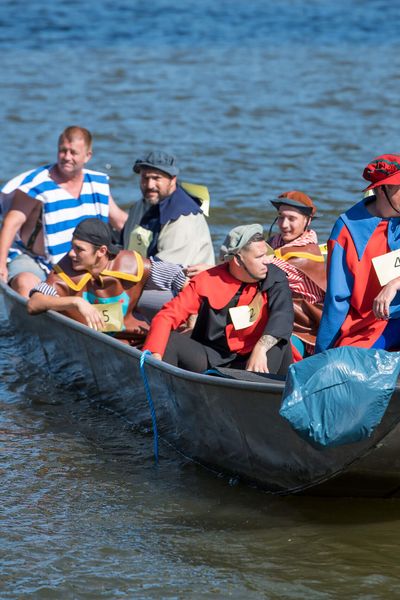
pixel 185 353
pixel 24 282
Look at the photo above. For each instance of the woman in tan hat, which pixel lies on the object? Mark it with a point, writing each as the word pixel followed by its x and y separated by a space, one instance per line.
pixel 298 254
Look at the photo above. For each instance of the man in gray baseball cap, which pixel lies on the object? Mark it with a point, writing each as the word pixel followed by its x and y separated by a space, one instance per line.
pixel 167 222
pixel 245 313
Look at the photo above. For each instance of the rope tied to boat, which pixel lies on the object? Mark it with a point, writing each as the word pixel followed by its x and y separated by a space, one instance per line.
pixel 143 357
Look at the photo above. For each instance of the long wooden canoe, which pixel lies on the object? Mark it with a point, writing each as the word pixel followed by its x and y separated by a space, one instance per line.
pixel 230 425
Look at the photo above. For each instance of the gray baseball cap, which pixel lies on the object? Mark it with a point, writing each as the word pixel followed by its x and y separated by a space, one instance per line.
pixel 157 159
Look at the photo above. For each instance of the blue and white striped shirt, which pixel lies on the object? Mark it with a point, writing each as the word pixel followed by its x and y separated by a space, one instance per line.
pixel 61 211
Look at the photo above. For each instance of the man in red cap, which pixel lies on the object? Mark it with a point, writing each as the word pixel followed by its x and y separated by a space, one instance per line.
pixel 358 310
pixel 297 252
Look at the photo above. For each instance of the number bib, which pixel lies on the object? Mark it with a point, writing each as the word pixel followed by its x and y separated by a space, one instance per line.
pixel 244 316
pixel 140 240
pixel 387 266
pixel 112 315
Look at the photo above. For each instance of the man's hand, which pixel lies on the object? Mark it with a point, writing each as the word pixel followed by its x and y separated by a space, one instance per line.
pixel 156 356
pixel 192 270
pixel 4 273
pixel 257 361
pixel 381 304
pixel 89 313
pixel 189 325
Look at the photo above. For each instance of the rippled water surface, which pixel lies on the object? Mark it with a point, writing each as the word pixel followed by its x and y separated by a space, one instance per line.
pixel 254 98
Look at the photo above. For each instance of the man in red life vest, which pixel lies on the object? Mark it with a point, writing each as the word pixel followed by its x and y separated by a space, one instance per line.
pixel 245 313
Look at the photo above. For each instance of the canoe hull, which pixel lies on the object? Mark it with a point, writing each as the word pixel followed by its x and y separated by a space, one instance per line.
pixel 232 426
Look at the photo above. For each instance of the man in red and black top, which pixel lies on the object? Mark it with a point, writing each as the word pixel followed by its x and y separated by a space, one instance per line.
pixel 245 313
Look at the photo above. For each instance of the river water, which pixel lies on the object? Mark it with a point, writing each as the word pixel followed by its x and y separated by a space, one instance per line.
pixel 254 98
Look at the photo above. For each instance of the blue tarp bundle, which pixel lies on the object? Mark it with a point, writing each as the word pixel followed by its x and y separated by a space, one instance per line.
pixel 339 396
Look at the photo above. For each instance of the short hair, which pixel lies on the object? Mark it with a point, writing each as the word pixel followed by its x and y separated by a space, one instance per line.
pixel 72 132
pixel 257 237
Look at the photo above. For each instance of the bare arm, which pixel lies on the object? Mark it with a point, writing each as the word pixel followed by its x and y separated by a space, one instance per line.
pixel 257 361
pixel 21 208
pixel 117 216
pixel 39 303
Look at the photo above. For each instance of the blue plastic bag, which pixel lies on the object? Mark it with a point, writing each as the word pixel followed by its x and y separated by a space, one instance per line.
pixel 339 396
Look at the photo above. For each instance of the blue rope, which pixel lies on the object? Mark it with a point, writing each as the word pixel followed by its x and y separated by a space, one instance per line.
pixel 150 400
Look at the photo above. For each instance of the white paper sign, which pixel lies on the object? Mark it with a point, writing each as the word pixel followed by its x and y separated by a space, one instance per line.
pixel 112 315
pixel 140 239
pixel 387 266
pixel 244 316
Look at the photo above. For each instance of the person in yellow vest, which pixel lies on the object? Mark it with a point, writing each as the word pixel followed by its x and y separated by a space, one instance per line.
pixel 168 222
pixel 100 285
pixel 297 252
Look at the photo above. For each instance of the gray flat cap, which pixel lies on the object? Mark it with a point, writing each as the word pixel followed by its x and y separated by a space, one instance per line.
pixel 237 238
pixel 158 160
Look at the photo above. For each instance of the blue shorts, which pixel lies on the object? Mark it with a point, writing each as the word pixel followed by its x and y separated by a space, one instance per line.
pixel 22 264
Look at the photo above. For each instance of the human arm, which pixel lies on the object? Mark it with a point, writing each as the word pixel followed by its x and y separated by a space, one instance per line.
pixel 117 216
pixel 257 361
pixel 192 270
pixel 280 319
pixel 39 303
pixel 280 305
pixel 170 317
pixel 21 208
pixel 166 276
pixel 382 302
pixel 337 297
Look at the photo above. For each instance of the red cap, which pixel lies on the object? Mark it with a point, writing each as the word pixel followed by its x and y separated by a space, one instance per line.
pixel 384 170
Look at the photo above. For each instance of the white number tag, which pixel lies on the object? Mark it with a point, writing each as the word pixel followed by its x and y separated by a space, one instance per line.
pixel 244 316
pixel 387 266
pixel 112 315
pixel 140 239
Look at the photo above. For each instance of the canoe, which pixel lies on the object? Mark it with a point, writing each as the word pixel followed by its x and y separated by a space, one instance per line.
pixel 231 426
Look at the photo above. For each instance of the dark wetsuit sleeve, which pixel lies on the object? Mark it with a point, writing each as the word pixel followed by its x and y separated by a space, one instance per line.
pixel 280 304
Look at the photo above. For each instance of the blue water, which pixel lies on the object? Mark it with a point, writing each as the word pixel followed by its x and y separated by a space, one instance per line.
pixel 189 23
pixel 254 98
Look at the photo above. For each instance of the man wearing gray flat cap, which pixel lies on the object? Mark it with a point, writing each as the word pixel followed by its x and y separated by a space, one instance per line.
pixel 245 312
pixel 167 222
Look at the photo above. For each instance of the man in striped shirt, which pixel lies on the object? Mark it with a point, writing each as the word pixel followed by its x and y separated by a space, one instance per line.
pixel 43 206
